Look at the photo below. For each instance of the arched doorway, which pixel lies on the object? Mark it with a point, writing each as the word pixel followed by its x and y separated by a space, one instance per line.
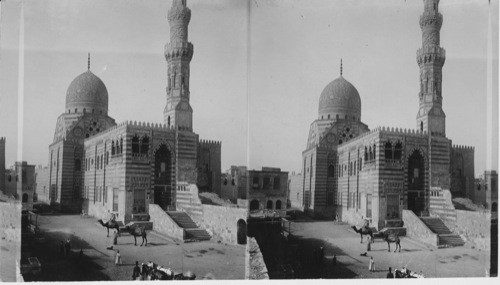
pixel 278 205
pixel 254 205
pixel 242 231
pixel 269 205
pixel 494 207
pixel 163 178
pixel 416 182
pixel 25 198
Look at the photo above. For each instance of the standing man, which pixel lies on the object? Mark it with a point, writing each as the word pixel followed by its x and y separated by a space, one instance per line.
pixel 137 272
pixel 67 247
pixel 115 237
pixel 371 265
pixel 390 275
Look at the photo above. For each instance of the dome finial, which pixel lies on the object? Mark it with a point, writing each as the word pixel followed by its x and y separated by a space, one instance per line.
pixel 340 66
pixel 88 66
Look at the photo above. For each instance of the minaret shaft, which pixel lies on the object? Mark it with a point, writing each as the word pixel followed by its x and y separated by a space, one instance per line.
pixel 178 53
pixel 430 59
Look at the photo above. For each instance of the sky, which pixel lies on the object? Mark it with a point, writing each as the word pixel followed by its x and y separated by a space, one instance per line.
pixel 257 73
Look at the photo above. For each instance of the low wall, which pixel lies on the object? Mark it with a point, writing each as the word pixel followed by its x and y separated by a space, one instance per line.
pixel 163 224
pixel 474 228
pixel 255 266
pixel 222 221
pixel 10 221
pixel 416 229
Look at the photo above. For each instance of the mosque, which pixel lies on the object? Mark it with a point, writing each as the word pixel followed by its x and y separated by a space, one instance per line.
pixel 99 166
pixel 355 173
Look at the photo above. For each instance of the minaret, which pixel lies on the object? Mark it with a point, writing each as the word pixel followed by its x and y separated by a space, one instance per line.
pixel 430 58
pixel 178 53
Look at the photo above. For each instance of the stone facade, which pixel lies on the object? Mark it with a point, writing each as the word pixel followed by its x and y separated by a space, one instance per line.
pixel 486 191
pixel 295 193
pixel 234 183
pixel 100 167
pixel 20 183
pixel 209 166
pixel 356 173
pixel 42 185
pixel 267 189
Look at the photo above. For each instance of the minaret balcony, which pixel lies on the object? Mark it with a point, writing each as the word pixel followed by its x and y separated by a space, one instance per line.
pixel 431 54
pixel 179 49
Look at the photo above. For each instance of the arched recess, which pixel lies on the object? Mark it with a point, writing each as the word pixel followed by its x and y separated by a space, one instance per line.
pixel 135 144
pixel 163 170
pixel 278 205
pixel 254 205
pixel 242 231
pixel 269 205
pixel 25 198
pixel 388 150
pixel 494 207
pixel 416 182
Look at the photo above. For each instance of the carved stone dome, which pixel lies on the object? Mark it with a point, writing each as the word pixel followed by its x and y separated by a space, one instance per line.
pixel 87 93
pixel 339 98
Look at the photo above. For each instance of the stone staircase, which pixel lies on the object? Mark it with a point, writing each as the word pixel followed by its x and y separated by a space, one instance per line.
pixel 192 232
pixel 445 237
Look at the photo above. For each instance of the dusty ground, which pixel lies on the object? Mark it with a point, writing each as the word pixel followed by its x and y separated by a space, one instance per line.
pixel 205 259
pixel 340 240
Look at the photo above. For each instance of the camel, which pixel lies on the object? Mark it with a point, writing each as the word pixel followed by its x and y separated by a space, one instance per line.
pixel 137 232
pixel 111 224
pixel 364 231
pixel 392 238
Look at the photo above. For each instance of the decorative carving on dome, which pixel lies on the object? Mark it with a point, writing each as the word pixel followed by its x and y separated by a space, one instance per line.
pixel 87 90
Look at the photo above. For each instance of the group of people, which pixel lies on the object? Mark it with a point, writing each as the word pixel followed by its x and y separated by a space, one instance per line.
pixel 151 271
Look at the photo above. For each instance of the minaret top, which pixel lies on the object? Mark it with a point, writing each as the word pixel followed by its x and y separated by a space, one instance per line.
pixel 88 63
pixel 431 6
pixel 340 66
pixel 179 3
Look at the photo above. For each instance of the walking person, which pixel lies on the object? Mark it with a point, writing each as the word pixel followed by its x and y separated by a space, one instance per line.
pixel 118 258
pixel 144 272
pixel 390 275
pixel 115 237
pixel 67 247
pixel 136 274
pixel 371 265
pixel 369 244
pixel 61 249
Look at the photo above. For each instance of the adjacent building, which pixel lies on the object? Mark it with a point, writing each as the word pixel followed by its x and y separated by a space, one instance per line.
pixel 486 191
pixel 267 189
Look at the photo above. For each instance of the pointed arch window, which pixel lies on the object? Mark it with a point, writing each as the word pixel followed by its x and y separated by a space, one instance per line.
pixel 374 151
pixel 135 144
pixel 398 151
pixel 113 148
pixel 145 145
pixel 388 150
pixel 331 171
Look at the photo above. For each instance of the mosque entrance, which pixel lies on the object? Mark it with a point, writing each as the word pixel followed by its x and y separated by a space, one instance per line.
pixel 163 194
pixel 416 183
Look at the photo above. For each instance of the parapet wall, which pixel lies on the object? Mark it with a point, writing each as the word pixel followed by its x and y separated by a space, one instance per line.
pixel 163 224
pixel 222 222
pixel 10 221
pixel 416 229
pixel 474 228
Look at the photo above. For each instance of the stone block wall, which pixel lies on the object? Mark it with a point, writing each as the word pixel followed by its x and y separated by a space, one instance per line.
pixel 474 228
pixel 416 229
pixel 10 222
pixel 221 222
pixel 295 189
pixel 255 266
pixel 163 224
pixel 2 163
pixel 42 187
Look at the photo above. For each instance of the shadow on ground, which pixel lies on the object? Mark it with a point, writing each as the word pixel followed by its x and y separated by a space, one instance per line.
pixel 57 267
